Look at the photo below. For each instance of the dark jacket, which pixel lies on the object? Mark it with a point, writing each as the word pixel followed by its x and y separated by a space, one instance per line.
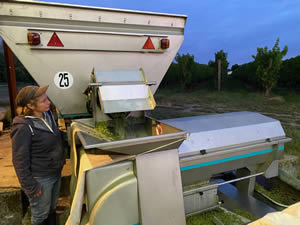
pixel 37 150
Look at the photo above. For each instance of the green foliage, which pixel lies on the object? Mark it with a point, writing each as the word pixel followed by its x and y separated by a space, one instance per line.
pixel 268 65
pixel 234 67
pixel 171 78
pixel 102 127
pixel 212 64
pixel 207 218
pixel 200 74
pixel 185 64
pixel 290 73
pixel 220 55
pixel 280 192
pixel 244 214
pixel 246 73
pixel 293 147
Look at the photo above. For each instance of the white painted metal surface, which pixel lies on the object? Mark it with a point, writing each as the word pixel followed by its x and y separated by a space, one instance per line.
pixel 93 38
pixel 160 188
pixel 219 131
pixel 124 91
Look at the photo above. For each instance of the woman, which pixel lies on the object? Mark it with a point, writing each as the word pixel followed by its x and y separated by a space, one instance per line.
pixel 37 153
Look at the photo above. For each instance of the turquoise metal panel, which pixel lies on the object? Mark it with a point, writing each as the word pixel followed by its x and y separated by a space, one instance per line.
pixel 228 159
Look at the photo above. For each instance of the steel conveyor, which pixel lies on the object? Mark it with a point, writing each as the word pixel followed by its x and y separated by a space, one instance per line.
pixel 247 142
pixel 223 142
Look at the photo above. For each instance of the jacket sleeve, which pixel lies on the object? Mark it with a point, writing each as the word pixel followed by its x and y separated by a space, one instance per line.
pixel 21 154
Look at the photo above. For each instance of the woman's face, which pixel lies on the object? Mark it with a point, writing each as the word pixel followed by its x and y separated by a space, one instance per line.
pixel 42 104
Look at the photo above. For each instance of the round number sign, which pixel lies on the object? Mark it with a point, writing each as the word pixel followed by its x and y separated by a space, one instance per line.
pixel 63 80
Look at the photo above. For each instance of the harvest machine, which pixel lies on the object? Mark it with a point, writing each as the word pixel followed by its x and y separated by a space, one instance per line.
pixel 103 67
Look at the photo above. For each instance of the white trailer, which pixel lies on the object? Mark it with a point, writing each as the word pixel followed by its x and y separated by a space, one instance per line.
pixel 75 40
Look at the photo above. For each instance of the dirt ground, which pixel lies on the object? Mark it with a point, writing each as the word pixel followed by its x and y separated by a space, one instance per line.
pixel 8 176
pixel 286 118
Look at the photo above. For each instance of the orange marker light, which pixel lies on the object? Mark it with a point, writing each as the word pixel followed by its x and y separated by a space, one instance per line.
pixel 164 43
pixel 33 38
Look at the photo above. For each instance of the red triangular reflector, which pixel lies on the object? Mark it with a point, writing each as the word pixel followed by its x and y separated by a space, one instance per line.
pixel 55 41
pixel 148 44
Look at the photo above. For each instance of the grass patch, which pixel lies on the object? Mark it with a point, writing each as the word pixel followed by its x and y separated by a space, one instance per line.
pixel 244 214
pixel 166 113
pixel 240 99
pixel 280 192
pixel 207 218
pixel 196 185
pixel 293 147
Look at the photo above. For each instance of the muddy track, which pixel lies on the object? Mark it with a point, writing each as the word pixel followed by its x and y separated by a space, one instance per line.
pixel 290 119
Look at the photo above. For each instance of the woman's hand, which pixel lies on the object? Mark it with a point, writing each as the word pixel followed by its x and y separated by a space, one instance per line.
pixel 38 194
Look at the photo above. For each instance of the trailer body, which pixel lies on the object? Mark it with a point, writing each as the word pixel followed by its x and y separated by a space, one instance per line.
pixel 87 39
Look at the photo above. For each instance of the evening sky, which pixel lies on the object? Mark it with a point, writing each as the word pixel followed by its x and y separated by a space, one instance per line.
pixel 236 26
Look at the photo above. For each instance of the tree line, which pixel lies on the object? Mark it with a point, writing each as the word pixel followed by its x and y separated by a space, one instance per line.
pixel 265 72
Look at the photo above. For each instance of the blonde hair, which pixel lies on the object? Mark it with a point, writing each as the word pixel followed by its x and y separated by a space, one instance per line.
pixel 26 111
